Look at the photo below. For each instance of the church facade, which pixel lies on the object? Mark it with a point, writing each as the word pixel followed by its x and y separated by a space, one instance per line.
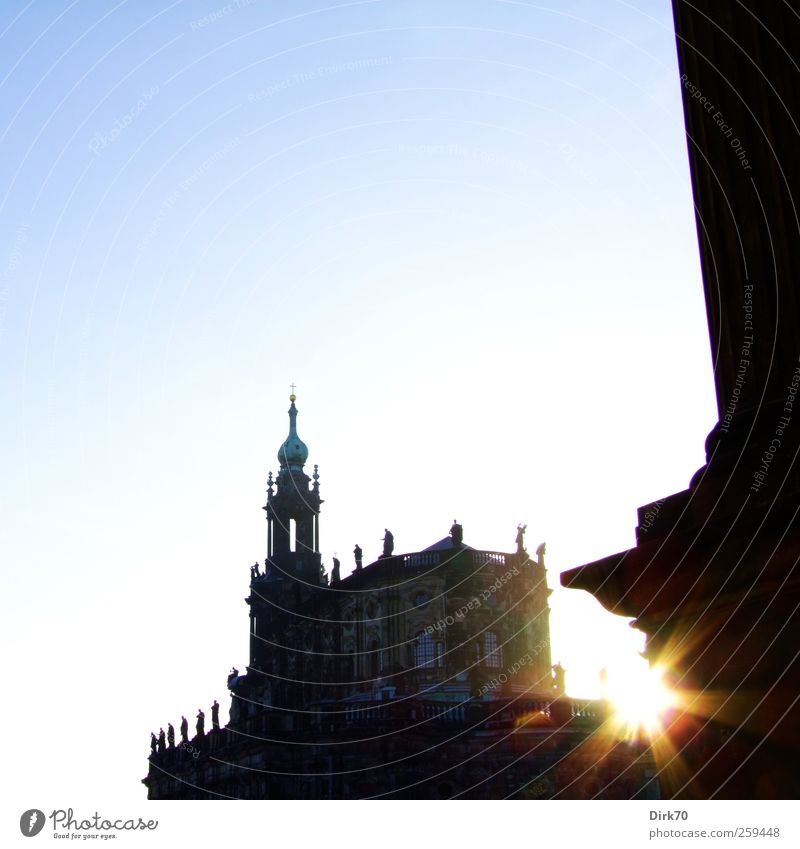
pixel 421 675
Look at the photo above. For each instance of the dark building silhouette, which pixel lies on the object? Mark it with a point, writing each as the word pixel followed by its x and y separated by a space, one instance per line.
pixel 420 675
pixel 713 579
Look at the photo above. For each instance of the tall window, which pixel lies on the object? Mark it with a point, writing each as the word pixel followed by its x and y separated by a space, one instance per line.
pixel 493 654
pixel 292 535
pixel 424 651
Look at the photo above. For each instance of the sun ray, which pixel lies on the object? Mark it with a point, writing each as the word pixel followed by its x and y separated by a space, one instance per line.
pixel 640 701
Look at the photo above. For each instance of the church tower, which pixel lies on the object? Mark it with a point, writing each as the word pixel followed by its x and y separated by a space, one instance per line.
pixel 279 632
pixel 292 508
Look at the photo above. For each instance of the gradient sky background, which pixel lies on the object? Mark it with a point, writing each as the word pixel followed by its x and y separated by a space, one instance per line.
pixel 464 229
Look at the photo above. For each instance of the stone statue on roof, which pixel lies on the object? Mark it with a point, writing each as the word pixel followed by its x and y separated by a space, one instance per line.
pixel 559 674
pixel 520 540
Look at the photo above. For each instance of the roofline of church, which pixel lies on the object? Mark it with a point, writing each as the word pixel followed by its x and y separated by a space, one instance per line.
pixel 414 560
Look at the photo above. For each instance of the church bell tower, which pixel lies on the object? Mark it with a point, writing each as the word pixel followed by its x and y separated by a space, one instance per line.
pixel 292 508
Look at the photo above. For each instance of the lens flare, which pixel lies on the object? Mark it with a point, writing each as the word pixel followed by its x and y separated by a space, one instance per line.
pixel 639 700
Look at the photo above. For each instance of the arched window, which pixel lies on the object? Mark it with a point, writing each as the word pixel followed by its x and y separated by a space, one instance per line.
pixel 492 653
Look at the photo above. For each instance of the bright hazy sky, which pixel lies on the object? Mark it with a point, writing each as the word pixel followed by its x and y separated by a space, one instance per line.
pixel 464 229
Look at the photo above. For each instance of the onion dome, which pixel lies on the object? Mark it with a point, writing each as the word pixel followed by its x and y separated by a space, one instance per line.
pixel 293 453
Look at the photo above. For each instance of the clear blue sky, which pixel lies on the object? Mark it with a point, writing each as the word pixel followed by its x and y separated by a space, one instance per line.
pixel 464 229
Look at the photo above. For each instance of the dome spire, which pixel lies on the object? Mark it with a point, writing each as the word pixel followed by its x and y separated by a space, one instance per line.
pixel 293 453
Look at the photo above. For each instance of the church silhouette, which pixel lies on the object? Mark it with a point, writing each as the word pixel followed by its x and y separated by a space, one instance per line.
pixel 421 675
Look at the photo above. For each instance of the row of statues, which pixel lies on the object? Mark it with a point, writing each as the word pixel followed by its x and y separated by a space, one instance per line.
pixel 162 741
pixel 456 534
